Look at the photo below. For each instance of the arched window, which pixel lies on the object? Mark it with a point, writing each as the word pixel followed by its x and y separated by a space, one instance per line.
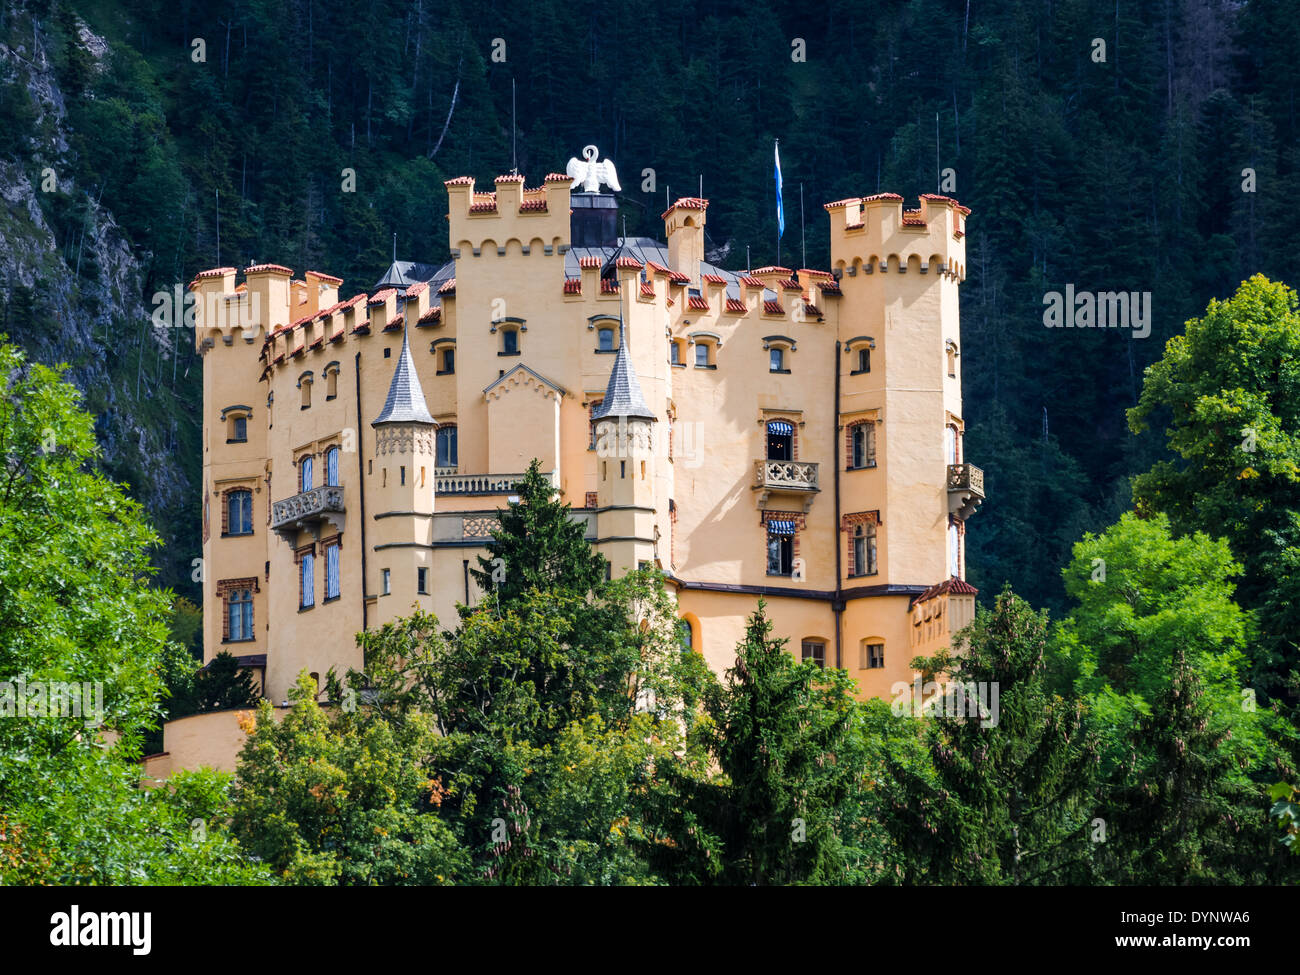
pixel 332 467
pixel 448 454
pixel 239 512
pixel 305 482
pixel 780 440
pixel 814 651
pixel 685 636
pixel 331 381
pixel 952 444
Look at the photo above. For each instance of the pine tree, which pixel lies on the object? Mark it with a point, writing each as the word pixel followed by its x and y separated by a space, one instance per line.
pixel 538 546
pixel 782 735
pixel 1006 803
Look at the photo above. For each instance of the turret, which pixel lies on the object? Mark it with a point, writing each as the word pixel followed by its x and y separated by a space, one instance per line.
pixel 625 459
pixel 402 485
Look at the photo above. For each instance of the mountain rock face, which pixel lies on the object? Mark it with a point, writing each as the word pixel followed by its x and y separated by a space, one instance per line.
pixel 71 291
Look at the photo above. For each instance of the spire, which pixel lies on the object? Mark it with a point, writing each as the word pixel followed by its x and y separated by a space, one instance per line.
pixel 623 394
pixel 405 403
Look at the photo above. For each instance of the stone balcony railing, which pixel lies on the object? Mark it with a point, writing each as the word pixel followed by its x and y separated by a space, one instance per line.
pixel 785 477
pixel 965 489
pixel 451 483
pixel 323 503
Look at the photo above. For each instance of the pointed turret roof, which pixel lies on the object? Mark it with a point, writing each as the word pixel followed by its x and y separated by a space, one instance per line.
pixel 405 403
pixel 623 394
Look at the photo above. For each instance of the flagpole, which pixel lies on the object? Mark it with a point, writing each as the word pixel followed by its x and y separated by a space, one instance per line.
pixel 803 243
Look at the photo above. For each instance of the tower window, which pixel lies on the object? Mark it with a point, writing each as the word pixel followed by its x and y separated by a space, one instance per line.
pixel 605 340
pixel 864 359
pixel 780 548
pixel 307 582
pixel 304 384
pixel 331 381
pixel 332 572
pixel 776 360
pixel 332 467
pixel 862 445
pixel 509 341
pixel 239 513
pixel 864 550
pixel 385 580
pixel 448 362
pixel 701 355
pixel 675 353
pixel 238 429
pixel 447 449
pixel 422 580
pixel 815 651
pixel 239 615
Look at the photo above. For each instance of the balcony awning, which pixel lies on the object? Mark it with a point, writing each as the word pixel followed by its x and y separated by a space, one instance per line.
pixel 775 527
pixel 782 428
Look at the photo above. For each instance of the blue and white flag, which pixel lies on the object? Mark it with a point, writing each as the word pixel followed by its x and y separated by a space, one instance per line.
pixel 780 206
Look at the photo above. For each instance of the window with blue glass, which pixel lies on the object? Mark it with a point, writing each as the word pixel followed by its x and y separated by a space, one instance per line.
pixel 307 582
pixel 332 466
pixel 239 513
pixel 447 452
pixel 305 480
pixel 239 614
pixel 332 572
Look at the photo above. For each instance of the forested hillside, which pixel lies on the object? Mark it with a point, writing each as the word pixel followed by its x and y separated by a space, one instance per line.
pixel 220 132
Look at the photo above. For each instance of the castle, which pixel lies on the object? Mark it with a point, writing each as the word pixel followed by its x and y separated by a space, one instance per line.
pixel 795 434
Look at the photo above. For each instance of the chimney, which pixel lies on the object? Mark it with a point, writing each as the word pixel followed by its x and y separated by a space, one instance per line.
pixel 684 225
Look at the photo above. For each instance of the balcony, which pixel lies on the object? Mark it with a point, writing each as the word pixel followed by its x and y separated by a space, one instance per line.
pixel 310 508
pixel 449 482
pixel 793 477
pixel 965 489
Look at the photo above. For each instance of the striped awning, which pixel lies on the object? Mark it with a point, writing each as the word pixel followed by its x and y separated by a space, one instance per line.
pixel 780 427
pixel 775 527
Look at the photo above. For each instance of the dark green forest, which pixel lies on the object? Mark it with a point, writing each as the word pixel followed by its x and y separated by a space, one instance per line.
pixel 1122 174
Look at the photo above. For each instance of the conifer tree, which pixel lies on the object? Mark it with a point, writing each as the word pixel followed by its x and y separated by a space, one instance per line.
pixel 1005 803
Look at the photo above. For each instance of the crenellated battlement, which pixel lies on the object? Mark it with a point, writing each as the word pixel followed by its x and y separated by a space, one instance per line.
pixel 878 234
pixel 486 223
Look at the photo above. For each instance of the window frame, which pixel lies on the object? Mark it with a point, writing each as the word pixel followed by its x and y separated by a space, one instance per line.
pixel 818 652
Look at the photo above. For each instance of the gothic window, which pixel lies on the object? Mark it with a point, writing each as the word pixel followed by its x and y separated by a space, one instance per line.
pixel 239 615
pixel 239 512
pixel 862 445
pixel 332 467
pixel 447 449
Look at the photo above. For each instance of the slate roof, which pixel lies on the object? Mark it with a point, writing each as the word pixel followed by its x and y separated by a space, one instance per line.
pixel 623 397
pixel 405 403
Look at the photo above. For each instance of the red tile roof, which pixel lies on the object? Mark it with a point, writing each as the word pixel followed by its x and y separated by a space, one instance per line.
pixel 459 181
pixel 631 262
pixel 696 303
pixel 647 289
pixel 538 206
pixel 770 269
pixel 556 177
pixel 449 288
pixel 714 278
pixel 573 286
pixel 589 262
pixel 321 276
pixel 429 317
pixel 773 308
pixel 416 288
pixel 945 199
pixel 686 203
pixel 395 323
pixel 509 178
pixel 951 585
pixel 815 274
pixel 268 269
pixel 608 286
pixel 881 196
pixel 750 281
pixel 736 306
pixel 379 297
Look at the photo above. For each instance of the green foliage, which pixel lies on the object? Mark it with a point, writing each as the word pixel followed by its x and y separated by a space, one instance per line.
pixel 76 606
pixel 538 546
pixel 1004 797
pixel 781 736
pixel 1229 390
pixel 1155 648
pixel 332 799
